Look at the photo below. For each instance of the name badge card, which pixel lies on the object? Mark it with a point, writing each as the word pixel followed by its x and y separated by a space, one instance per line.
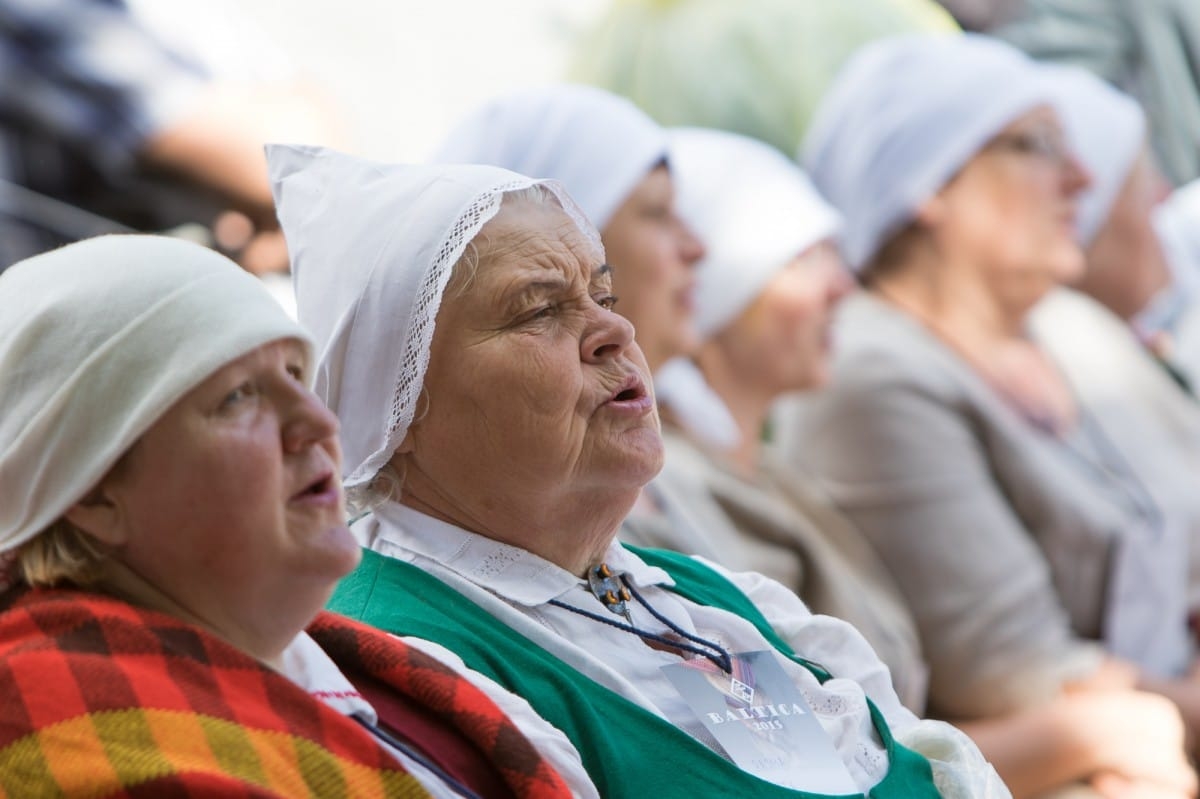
pixel 763 721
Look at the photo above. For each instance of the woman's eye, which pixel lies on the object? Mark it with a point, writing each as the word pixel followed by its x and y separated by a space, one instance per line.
pixel 297 372
pixel 239 394
pixel 607 302
pixel 545 312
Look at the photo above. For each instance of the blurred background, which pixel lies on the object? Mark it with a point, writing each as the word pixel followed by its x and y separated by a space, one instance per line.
pixel 150 115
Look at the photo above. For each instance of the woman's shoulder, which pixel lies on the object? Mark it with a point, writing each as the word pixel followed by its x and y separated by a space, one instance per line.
pixel 876 346
pixel 81 622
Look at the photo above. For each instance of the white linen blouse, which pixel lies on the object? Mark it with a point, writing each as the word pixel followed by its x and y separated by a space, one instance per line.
pixel 516 587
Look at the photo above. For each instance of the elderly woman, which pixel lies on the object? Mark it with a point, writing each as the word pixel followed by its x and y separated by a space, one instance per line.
pixel 766 290
pixel 612 158
pixel 1018 532
pixel 499 417
pixel 171 520
pixel 1127 376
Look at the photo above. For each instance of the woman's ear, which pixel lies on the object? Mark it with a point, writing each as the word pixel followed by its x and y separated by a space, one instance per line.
pixel 99 515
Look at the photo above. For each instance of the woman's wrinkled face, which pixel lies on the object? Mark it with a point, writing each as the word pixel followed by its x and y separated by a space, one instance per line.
pixel 537 393
pixel 781 342
pixel 231 504
pixel 1011 210
pixel 653 253
pixel 1126 263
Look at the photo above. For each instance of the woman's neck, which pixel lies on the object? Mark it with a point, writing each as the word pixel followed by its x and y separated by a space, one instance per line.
pixel 989 337
pixel 572 532
pixel 119 580
pixel 748 403
pixel 956 305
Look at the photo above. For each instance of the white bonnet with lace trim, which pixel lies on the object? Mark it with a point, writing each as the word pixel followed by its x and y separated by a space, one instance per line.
pixel 372 248
pixel 598 145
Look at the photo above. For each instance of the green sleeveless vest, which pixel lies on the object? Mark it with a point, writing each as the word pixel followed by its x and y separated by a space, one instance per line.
pixel 627 750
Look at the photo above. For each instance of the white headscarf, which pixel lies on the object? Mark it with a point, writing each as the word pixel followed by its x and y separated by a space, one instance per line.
pixel 755 211
pixel 372 248
pixel 97 340
pixel 1106 129
pixel 902 117
pixel 597 145
pixel 1177 222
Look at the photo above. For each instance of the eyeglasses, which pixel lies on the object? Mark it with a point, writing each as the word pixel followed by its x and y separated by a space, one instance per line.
pixel 1039 143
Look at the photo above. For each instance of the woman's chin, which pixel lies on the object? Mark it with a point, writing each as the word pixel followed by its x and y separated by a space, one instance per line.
pixel 340 551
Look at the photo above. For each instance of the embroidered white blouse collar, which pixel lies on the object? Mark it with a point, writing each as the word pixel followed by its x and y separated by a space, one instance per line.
pixel 513 573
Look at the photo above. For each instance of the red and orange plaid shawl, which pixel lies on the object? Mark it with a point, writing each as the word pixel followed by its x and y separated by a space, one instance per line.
pixel 98 698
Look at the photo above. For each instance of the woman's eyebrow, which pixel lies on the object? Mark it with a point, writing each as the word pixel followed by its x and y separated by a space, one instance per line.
pixel 534 286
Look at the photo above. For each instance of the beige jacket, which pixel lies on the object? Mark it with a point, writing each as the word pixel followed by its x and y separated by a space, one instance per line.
pixel 1001 537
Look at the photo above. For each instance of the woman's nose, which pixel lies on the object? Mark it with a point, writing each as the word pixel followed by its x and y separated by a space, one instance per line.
pixel 1075 176
pixel 691 249
pixel 308 421
pixel 606 337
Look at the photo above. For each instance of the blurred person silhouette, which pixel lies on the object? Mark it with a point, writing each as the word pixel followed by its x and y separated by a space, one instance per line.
pixel 767 290
pixel 1034 555
pixel 1146 48
pixel 106 125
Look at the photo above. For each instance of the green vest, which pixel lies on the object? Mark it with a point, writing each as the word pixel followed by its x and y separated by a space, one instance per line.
pixel 627 750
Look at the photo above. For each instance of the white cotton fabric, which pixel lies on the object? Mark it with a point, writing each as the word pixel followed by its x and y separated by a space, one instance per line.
pixel 754 210
pixel 372 248
pixel 598 145
pixel 1177 223
pixel 902 117
pixel 515 586
pixel 1106 129
pixel 680 385
pixel 97 340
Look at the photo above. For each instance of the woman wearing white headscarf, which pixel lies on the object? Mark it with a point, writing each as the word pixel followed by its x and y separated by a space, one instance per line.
pixel 766 288
pixel 171 523
pixel 764 313
pixel 1133 390
pixel 499 418
pixel 612 158
pixel 1020 536
pixel 1177 221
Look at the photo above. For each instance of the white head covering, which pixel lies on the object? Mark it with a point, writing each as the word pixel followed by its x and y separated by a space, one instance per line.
pixel 97 340
pixel 1177 222
pixel 1106 129
pixel 755 211
pixel 372 248
pixel 903 116
pixel 598 145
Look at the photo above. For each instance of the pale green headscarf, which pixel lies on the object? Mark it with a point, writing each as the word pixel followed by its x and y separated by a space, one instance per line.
pixel 755 67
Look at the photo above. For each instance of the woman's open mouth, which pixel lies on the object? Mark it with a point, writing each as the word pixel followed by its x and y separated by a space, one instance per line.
pixel 322 490
pixel 631 396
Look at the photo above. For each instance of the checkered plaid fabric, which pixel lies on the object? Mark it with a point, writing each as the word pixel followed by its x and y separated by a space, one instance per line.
pixel 357 648
pixel 98 698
